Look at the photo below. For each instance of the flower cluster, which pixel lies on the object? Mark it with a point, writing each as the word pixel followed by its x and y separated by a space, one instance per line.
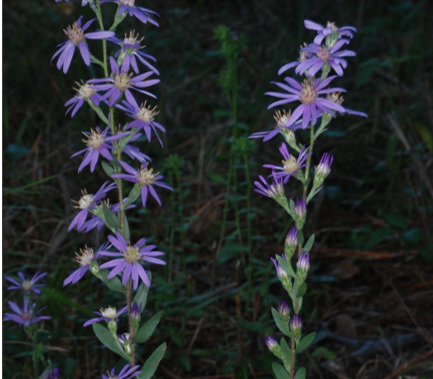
pixel 128 73
pixel 317 103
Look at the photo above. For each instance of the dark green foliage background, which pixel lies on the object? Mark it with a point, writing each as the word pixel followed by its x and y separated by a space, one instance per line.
pixel 377 198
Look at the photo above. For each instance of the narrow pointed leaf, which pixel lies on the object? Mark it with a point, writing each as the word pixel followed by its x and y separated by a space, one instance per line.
pixel 108 340
pixel 301 290
pixel 114 283
pixel 110 219
pixel 301 373
pixel 284 327
pixel 147 328
pixel 141 296
pixel 305 342
pixel 309 244
pixel 152 362
pixel 279 371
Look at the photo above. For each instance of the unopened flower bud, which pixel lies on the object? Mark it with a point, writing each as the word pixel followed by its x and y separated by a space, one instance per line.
pixel 323 169
pixel 291 243
pixel 136 315
pixel 283 276
pixel 300 213
pixel 284 310
pixel 295 327
pixel 303 266
pixel 125 341
pixel 273 346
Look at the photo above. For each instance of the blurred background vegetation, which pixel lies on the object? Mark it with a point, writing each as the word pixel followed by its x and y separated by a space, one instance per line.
pixel 372 261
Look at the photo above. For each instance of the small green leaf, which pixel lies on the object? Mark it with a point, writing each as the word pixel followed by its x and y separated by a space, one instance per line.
pixel 141 295
pixel 284 327
pixel 108 340
pixel 287 353
pixel 134 194
pixel 110 219
pixel 285 265
pixel 301 373
pixel 147 328
pixel 152 362
pixel 309 244
pixel 279 371
pixel 305 342
pixel 108 168
pixel 301 290
pixel 114 283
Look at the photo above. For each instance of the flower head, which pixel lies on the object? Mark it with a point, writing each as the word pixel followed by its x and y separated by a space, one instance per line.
pixel 146 178
pixel 51 374
pixel 26 285
pixel 329 30
pixel 130 259
pixel 98 143
pixel 307 93
pixel 134 152
pixel 87 202
pixel 130 49
pixel 303 56
pixel 87 260
pixel 321 55
pixel 26 316
pixel 143 14
pixel 281 118
pixel 283 308
pixel 336 98
pixel 143 118
pixel 122 82
pixel 125 373
pixel 85 92
pixel 77 37
pixel 97 220
pixel 291 164
pixel 291 242
pixel 108 315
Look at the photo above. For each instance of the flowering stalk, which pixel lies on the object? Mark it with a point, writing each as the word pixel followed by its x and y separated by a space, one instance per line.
pixel 319 103
pixel 116 91
pixel 27 316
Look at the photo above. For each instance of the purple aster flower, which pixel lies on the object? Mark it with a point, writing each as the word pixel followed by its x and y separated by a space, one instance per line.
pixel 107 315
pixel 130 46
pixel 323 55
pixel 26 316
pixel 291 165
pixel 324 167
pixel 97 144
pixel 125 373
pixel 303 56
pixel 130 258
pixel 308 94
pixel 85 92
pixel 143 14
pixel 281 118
pixel 323 32
pixel 338 99
pixel 51 374
pixel 143 117
pixel 26 285
pixel 87 260
pixel 281 273
pixel 146 178
pixel 77 38
pixel 88 201
pixel 122 82
pixel 97 221
pixel 134 152
pixel 273 190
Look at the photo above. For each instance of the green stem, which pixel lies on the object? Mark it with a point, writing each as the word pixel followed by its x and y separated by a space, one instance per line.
pixel 307 170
